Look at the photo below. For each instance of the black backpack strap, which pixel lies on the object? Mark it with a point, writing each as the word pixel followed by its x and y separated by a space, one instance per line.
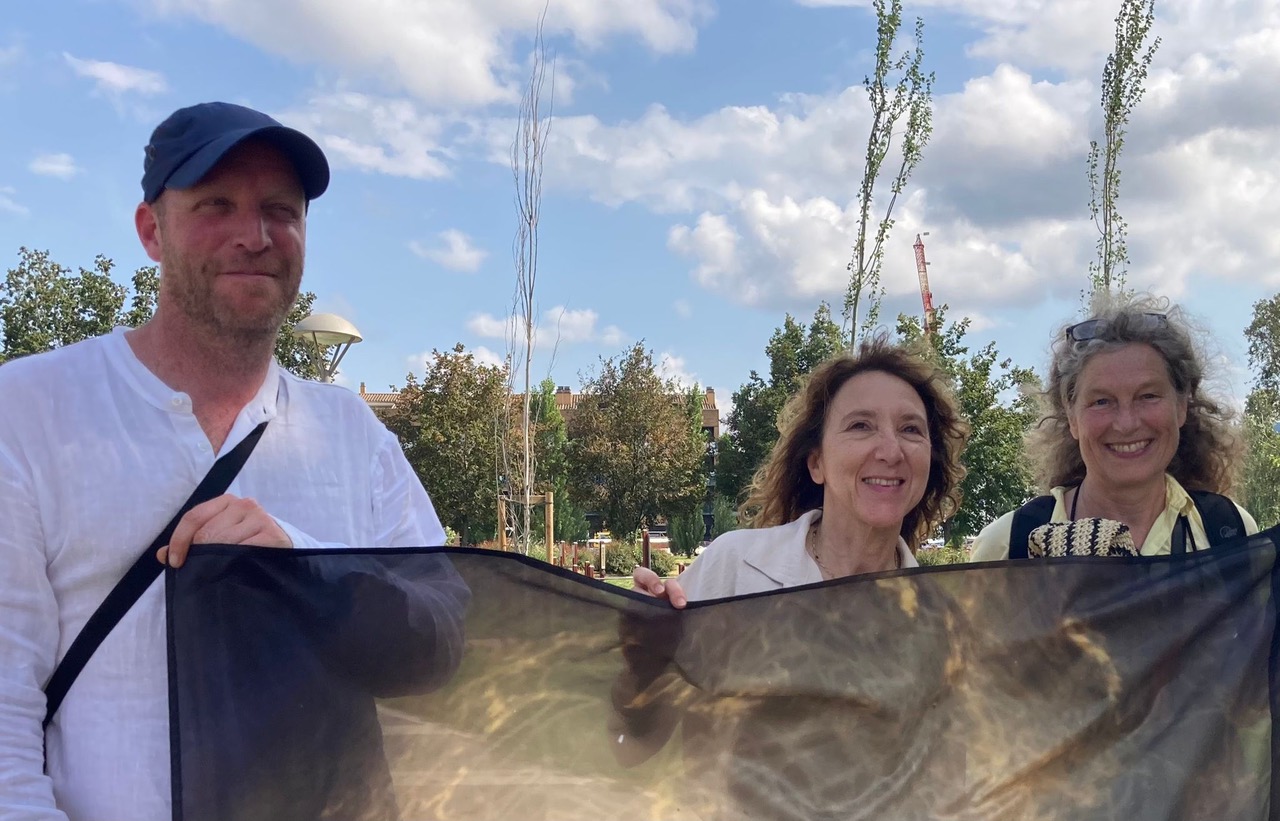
pixel 1027 518
pixel 1221 518
pixel 139 577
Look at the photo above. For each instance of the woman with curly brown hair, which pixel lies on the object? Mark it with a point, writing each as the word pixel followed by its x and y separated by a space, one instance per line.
pixel 866 466
pixel 1131 436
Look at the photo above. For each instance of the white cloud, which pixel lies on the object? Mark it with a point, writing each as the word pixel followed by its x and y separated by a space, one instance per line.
pixel 451 52
pixel 675 368
pixel 62 166
pixel 713 242
pixel 1008 115
pixel 612 336
pixel 724 404
pixel 9 204
pixel 769 249
pixel 457 254
pixel 571 326
pixel 418 363
pixel 115 79
pixel 380 135
pixel 682 308
pixel 490 327
pixel 1071 34
pixel 487 357
pixel 761 197
pixel 558 326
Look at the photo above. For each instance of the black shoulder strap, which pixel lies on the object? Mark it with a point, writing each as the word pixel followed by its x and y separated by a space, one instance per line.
pixel 139 577
pixel 1221 517
pixel 1027 518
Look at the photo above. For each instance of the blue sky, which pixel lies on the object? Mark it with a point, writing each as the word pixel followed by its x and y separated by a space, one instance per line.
pixel 702 168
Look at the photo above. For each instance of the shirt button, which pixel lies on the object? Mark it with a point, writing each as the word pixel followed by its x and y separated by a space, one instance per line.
pixel 204 447
pixel 177 401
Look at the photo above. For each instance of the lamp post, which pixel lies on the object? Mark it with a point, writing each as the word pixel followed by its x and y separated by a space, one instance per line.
pixel 322 332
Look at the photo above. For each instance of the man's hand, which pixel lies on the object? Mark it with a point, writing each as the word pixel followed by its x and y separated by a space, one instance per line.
pixel 225 520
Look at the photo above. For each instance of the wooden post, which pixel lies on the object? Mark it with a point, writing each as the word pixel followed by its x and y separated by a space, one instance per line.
pixel 644 548
pixel 549 507
pixel 502 522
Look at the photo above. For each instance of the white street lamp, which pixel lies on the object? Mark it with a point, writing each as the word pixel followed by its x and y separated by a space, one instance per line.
pixel 325 331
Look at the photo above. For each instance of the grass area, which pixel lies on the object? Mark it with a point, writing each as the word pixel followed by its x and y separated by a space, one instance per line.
pixel 942 555
pixel 625 582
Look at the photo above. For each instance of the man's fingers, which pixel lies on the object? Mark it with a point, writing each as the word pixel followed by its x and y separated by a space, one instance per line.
pixel 225 520
pixel 228 530
pixel 197 517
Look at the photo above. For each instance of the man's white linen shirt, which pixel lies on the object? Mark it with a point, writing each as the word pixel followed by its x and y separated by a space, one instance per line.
pixel 96 456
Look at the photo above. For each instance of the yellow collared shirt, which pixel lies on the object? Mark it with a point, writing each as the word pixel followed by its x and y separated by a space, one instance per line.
pixel 992 544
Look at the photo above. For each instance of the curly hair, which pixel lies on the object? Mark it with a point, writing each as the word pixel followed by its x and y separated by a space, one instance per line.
pixel 782 489
pixel 1207 447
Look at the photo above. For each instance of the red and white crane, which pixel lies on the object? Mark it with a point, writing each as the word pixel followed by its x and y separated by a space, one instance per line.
pixel 926 296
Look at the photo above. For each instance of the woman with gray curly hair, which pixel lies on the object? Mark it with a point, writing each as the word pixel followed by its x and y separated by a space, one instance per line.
pixel 1129 436
pixel 866 465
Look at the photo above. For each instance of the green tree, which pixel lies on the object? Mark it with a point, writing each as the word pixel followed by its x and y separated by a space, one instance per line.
pixel 686 529
pixel 897 88
pixel 43 305
pixel 636 447
pixel 724 516
pixel 291 352
pixel 550 454
pixel 445 424
pixel 1123 79
pixel 793 352
pixel 146 287
pixel 1261 477
pixel 994 397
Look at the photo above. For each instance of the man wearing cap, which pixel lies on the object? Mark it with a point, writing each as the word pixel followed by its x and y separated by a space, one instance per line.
pixel 102 441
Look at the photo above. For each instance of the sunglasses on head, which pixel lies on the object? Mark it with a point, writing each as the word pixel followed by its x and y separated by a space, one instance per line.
pixel 1093 328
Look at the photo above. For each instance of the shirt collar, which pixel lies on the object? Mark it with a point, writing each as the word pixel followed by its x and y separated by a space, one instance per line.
pixel 787 561
pixel 125 362
pixel 1176 496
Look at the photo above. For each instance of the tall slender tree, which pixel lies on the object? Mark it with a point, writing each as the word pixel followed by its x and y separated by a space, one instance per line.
pixel 900 95
pixel 533 126
pixel 1123 83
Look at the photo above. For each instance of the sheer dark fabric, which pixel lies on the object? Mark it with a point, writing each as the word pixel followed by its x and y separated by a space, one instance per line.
pixel 463 684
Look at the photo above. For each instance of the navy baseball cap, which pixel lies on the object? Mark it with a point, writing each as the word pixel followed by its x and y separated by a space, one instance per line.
pixel 187 145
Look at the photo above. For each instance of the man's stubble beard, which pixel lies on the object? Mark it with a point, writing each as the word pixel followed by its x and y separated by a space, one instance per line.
pixel 191 287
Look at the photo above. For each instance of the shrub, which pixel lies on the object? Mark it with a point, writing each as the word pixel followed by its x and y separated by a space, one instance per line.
pixel 686 530
pixel 620 559
pixel 724 516
pixel 662 562
pixel 941 556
